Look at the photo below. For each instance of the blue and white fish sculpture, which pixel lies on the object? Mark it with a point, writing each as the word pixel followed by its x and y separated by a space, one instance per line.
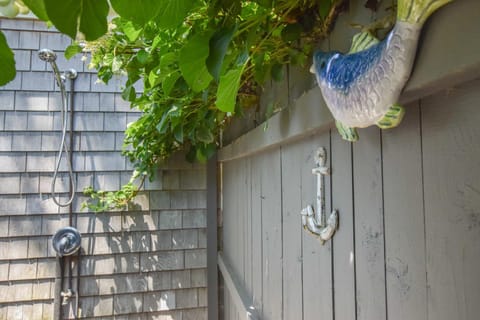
pixel 362 87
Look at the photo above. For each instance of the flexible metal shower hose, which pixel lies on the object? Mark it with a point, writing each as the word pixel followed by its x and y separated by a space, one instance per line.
pixel 63 146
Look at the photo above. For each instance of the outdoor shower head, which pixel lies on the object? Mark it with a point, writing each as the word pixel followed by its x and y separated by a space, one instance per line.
pixel 47 55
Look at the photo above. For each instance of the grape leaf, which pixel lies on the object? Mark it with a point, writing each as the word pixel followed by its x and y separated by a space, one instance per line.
pixel 87 16
pixel 218 48
pixel 38 8
pixel 140 12
pixel 192 62
pixel 6 61
pixel 228 89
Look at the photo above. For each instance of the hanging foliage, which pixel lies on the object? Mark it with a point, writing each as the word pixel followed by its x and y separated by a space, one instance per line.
pixel 198 70
pixel 198 62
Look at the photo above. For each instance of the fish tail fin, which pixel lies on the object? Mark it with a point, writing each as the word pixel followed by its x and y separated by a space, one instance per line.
pixel 418 11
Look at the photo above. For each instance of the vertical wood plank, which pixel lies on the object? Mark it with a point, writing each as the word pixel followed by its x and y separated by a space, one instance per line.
pixel 257 248
pixel 231 308
pixel 226 305
pixel 271 234
pixel 404 219
pixel 248 228
pixel 228 207
pixel 241 196
pixel 298 83
pixel 212 238
pixel 233 217
pixel 292 156
pixel 239 297
pixel 369 235
pixel 343 240
pixel 228 215
pixel 317 264
pixel 451 153
pixel 236 229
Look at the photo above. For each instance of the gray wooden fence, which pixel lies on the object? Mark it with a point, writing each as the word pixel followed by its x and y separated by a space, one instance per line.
pixel 408 246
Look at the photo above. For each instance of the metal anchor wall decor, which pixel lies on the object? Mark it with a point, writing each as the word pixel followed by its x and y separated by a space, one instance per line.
pixel 317 223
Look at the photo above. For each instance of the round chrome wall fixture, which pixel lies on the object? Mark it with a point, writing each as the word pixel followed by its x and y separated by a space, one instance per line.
pixel 66 241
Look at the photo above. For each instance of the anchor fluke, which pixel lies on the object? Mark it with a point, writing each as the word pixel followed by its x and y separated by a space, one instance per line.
pixel 323 233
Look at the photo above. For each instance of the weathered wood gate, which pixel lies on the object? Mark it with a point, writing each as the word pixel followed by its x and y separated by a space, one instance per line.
pixel 408 246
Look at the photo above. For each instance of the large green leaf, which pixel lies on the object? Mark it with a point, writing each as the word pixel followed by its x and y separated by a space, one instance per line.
pixel 7 62
pixel 167 13
pixel 64 15
pixel 218 48
pixel 228 89
pixel 137 11
pixel 172 13
pixel 93 22
pixel 38 8
pixel 192 62
pixel 169 82
pixel 88 16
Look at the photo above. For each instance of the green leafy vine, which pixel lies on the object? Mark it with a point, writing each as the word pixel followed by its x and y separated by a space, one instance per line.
pixel 199 63
pixel 198 73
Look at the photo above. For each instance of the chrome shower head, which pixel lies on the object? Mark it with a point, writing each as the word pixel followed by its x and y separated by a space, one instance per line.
pixel 47 55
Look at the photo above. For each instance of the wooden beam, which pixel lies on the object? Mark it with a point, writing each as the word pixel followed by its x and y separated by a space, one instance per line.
pixel 237 292
pixel 212 270
pixel 449 50
pixel 449 54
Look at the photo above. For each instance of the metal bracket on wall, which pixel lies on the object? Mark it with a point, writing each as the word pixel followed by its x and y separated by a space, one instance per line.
pixel 316 223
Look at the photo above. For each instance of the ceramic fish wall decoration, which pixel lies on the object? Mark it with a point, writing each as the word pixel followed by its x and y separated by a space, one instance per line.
pixel 362 87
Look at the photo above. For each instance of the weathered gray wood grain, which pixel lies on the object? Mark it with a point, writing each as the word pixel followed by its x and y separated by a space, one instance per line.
pixel 369 233
pixel 280 92
pixel 308 116
pixel 271 211
pixel 300 80
pixel 317 261
pixel 404 219
pixel 226 304
pixel 234 193
pixel 240 195
pixel 248 245
pixel 232 216
pixel 449 50
pixel 228 215
pixel 451 153
pixel 228 176
pixel 237 299
pixel 292 156
pixel 257 248
pixel 340 38
pixel 343 240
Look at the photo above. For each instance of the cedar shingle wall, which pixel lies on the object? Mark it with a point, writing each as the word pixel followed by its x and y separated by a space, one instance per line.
pixel 144 263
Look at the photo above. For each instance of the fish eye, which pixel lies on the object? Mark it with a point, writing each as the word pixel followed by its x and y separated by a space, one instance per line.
pixel 323 64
